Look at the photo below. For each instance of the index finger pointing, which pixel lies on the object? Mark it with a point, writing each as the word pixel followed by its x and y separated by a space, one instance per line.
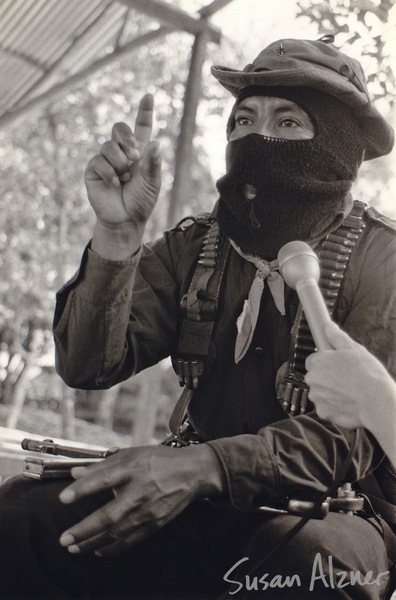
pixel 144 119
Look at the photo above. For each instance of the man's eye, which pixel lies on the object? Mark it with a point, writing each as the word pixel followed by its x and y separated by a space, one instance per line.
pixel 289 123
pixel 243 120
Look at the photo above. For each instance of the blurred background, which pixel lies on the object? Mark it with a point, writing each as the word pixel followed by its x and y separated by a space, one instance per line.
pixel 69 70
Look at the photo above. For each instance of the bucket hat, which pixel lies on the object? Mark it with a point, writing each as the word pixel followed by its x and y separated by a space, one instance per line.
pixel 320 65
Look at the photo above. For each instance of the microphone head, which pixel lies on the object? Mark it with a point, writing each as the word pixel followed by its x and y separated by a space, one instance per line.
pixel 297 261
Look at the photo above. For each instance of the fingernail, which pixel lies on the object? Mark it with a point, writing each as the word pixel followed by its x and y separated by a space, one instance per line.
pixel 67 496
pixel 133 154
pixel 66 539
pixel 74 549
pixel 98 553
pixel 115 181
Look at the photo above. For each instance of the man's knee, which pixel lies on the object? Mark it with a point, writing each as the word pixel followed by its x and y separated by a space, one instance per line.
pixel 338 534
pixel 21 497
pixel 341 551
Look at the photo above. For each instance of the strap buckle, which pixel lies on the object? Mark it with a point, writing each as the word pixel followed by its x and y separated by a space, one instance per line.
pixel 186 436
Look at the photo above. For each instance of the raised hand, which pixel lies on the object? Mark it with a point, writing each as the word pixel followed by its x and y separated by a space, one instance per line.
pixel 123 181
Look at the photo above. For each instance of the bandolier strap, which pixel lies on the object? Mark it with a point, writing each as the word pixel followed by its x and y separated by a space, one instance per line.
pixel 195 353
pixel 334 254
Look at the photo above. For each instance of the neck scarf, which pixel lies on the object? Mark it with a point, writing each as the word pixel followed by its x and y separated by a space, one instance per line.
pixel 247 320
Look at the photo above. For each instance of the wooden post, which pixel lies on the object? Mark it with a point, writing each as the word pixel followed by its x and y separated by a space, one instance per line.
pixel 38 103
pixel 181 182
pixel 182 179
pixel 213 7
pixel 175 17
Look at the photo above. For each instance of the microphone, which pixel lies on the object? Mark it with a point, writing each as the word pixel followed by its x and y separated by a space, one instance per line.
pixel 299 267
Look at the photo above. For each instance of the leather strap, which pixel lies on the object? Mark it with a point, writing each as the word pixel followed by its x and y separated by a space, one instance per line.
pixel 196 351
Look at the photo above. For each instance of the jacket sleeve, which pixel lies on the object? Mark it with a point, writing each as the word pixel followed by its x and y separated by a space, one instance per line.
pixel 304 455
pixel 300 457
pixel 99 339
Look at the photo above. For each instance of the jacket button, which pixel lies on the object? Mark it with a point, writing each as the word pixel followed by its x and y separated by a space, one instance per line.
pixel 345 70
pixel 259 351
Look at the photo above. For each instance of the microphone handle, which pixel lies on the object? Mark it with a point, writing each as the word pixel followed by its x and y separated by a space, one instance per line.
pixel 315 311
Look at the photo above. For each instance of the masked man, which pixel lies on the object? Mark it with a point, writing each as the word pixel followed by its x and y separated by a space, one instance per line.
pixel 223 517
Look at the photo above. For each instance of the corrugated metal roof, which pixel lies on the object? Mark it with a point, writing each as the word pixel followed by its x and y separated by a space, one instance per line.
pixel 40 37
pixel 44 43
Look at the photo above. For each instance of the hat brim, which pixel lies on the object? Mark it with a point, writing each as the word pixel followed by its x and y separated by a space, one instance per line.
pixel 378 134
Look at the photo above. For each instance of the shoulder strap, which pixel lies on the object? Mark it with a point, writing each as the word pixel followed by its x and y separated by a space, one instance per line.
pixel 196 352
pixel 199 307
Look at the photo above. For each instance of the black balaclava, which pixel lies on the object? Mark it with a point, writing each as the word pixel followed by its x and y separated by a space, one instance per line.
pixel 301 185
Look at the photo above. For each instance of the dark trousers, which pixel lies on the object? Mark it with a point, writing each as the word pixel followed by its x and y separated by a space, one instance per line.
pixel 206 553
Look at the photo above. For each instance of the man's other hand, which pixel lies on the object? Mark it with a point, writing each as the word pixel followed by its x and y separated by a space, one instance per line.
pixel 151 486
pixel 351 387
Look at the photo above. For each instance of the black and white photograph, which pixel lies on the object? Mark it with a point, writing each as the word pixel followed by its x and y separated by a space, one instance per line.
pixel 197 300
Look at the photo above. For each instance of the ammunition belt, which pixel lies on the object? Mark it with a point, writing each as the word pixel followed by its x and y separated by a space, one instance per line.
pixel 334 255
pixel 199 306
pixel 195 353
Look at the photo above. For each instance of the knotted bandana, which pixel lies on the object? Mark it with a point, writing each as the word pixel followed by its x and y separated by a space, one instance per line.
pixel 247 320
